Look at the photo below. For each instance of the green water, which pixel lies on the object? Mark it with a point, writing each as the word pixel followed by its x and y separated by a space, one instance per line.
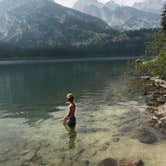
pixel 32 106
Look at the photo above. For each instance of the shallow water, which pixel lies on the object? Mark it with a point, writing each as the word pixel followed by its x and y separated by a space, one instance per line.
pixel 32 107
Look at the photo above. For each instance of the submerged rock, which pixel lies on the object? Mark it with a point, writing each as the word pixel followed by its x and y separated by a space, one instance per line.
pixel 161 100
pixel 108 162
pixel 140 163
pixel 158 114
pixel 116 139
pixel 131 163
pixel 145 135
pixel 163 123
pixel 152 109
pixel 153 103
pixel 124 162
pixel 83 163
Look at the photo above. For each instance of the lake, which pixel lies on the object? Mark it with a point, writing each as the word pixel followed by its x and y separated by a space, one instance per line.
pixel 32 106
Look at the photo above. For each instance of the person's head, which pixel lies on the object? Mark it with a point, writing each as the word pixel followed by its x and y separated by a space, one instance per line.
pixel 70 97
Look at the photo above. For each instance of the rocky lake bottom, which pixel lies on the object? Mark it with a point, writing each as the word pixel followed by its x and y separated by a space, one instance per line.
pixel 115 117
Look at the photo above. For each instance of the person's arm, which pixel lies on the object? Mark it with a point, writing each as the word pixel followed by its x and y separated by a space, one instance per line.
pixel 68 113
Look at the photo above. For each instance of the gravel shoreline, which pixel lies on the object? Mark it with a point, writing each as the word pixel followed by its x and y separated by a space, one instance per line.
pixel 155 94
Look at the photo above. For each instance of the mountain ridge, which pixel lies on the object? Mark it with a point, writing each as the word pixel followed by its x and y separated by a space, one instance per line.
pixel 44 28
pixel 153 6
pixel 118 17
pixel 41 23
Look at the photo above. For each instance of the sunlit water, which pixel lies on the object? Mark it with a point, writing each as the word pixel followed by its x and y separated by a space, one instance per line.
pixel 32 106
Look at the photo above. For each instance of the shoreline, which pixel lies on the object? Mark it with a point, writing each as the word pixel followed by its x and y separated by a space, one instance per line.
pixel 62 59
pixel 155 95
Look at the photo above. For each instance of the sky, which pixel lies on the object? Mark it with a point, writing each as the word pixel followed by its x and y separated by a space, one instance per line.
pixel 70 3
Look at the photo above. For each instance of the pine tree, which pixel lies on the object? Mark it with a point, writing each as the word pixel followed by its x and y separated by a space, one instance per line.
pixel 163 22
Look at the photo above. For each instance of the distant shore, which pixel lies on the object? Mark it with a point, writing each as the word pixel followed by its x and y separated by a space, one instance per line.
pixel 6 61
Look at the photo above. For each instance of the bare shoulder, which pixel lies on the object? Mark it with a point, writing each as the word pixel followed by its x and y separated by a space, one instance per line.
pixel 72 106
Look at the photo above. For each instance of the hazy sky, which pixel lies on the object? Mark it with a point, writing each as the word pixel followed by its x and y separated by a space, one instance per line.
pixel 69 3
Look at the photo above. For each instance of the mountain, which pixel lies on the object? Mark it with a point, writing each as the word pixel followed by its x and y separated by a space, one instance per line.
pixel 111 5
pixel 128 18
pixel 153 6
pixel 45 24
pixel 119 17
pixel 93 8
pixel 81 5
pixel 37 28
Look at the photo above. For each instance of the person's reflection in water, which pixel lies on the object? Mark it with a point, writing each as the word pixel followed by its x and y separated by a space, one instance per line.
pixel 72 136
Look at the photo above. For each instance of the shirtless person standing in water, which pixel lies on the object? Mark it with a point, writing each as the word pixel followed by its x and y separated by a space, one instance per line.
pixel 69 118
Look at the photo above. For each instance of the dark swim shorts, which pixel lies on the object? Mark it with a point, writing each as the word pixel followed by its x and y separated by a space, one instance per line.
pixel 71 121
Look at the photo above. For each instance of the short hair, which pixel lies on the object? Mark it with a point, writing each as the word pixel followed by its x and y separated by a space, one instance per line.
pixel 70 96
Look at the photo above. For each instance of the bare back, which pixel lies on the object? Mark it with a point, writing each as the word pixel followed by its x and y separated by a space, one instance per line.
pixel 71 110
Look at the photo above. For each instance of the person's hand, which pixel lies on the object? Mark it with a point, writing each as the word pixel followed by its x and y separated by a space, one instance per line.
pixel 65 118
